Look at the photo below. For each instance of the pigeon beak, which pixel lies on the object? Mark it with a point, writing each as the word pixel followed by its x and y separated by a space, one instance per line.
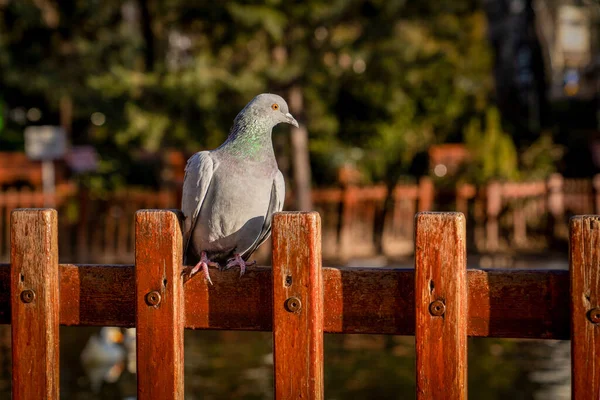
pixel 291 120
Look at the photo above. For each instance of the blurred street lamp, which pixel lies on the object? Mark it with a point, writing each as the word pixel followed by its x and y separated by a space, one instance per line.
pixel 46 143
pixel 440 170
pixel 98 118
pixel 34 114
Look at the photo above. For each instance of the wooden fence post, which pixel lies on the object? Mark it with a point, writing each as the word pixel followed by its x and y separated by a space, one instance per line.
pixel 555 207
pixel 519 224
pixel 160 316
pixel 464 192
pixel 584 259
pixel 441 306
pixel 297 306
pixel 493 207
pixel 348 219
pixel 596 184
pixel 83 246
pixel 426 194
pixel 35 304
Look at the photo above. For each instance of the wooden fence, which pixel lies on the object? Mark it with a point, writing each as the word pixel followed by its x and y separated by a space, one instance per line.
pixel 504 216
pixel 526 215
pixel 349 214
pixel 100 229
pixel 96 229
pixel 439 301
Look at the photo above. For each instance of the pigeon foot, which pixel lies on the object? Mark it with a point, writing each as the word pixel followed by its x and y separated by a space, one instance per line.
pixel 237 260
pixel 203 265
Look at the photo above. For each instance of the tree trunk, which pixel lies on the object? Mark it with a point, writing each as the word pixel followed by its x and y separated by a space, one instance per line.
pixel 380 216
pixel 65 107
pixel 146 22
pixel 300 155
pixel 391 179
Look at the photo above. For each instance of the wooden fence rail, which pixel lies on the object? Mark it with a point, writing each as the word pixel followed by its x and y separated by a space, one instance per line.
pixel 440 302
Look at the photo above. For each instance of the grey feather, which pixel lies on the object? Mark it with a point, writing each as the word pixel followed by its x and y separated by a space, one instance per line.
pixel 275 205
pixel 196 181
pixel 231 193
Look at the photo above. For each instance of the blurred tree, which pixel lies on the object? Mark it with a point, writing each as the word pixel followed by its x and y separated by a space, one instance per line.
pixel 48 51
pixel 493 152
pixel 415 74
pixel 540 159
pixel 380 80
pixel 518 67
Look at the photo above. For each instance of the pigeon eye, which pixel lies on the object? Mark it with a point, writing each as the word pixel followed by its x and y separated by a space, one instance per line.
pixel 275 106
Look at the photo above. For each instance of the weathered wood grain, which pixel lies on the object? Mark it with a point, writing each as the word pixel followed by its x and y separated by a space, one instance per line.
pixel 502 303
pixel 159 303
pixel 584 259
pixel 35 304
pixel 297 306
pixel 441 306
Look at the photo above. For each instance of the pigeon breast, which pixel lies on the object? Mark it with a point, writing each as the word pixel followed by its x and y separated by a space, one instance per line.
pixel 234 210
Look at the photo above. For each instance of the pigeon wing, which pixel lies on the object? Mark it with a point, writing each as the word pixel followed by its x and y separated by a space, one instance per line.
pixel 275 205
pixel 196 181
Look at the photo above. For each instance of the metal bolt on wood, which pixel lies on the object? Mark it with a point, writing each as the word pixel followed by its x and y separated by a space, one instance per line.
pixel 437 308
pixel 27 296
pixel 594 315
pixel 293 304
pixel 153 298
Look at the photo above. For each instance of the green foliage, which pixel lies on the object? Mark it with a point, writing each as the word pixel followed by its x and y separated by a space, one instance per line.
pixel 539 160
pixel 382 80
pixel 493 153
pixel 495 157
pixel 425 70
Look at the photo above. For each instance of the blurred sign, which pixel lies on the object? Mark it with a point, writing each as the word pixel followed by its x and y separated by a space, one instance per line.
pixel 45 142
pixel 82 159
pixel 571 82
pixel 574 35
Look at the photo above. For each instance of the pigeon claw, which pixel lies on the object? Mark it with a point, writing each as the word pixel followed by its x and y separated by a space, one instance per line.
pixel 237 260
pixel 203 265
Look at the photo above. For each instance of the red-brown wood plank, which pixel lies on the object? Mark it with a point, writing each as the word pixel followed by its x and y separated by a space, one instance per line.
pixel 159 303
pixel 297 306
pixel 502 303
pixel 35 304
pixel 584 258
pixel 441 306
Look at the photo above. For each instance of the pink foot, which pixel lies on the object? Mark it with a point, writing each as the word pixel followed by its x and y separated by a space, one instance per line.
pixel 203 265
pixel 238 260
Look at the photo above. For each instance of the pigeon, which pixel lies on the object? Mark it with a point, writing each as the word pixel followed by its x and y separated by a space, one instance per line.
pixel 231 193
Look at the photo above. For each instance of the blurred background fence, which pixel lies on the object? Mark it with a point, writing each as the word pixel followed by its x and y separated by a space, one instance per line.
pixel 504 216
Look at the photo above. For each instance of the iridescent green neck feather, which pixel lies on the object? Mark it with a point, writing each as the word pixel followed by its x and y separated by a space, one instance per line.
pixel 250 138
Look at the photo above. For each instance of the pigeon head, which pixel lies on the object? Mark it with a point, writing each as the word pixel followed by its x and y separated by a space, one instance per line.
pixel 250 135
pixel 266 110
